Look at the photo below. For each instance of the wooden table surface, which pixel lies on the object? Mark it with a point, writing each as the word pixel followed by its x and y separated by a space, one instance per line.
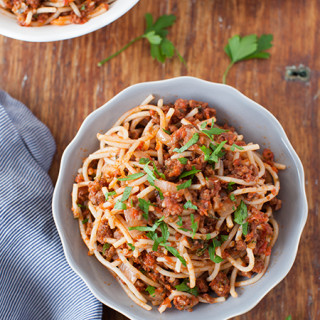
pixel 61 83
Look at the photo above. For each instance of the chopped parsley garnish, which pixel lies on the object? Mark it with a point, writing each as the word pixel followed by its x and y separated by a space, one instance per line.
pixel 213 156
pixel 230 184
pixel 132 176
pixel 189 205
pixel 84 221
pixel 160 174
pixel 203 125
pixel 212 251
pixel 179 223
pixel 185 288
pixel 175 252
pixel 81 205
pixel 240 215
pixel 151 290
pixel 201 251
pixel 224 237
pixel 150 175
pixel 194 225
pixel 232 197
pixel 109 194
pixel 83 7
pixel 213 131
pixel 120 205
pixel 144 160
pixel 184 185
pixel 208 237
pixel 126 193
pixel 189 173
pixel 144 206
pixel 236 146
pixel 194 139
pixel 132 247
pixel 147 228
pixel 183 160
pixel 105 247
pixel 167 131
pixel 245 228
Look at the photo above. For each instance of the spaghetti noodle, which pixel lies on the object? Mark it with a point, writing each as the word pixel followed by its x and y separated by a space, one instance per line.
pixel 179 209
pixel 37 13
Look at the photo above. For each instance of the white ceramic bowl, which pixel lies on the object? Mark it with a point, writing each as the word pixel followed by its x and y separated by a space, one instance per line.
pixel 9 27
pixel 256 123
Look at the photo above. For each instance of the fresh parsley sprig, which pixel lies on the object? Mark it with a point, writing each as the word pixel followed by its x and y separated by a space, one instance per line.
pixel 185 288
pixel 240 215
pixel 245 48
pixel 156 33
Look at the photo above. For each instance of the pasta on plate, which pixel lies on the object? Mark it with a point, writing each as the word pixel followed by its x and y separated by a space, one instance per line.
pixel 178 208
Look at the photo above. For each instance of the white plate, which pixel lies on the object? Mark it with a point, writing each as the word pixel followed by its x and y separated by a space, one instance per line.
pixel 256 123
pixel 9 27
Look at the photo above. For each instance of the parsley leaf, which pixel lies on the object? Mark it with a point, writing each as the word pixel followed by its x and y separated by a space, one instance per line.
pixel 232 197
pixel 166 131
pixel 289 317
pixel 84 221
pixel 183 160
pixel 194 225
pixel 211 132
pixel 175 252
pixel 224 237
pixel 160 174
pixel 126 194
pixel 105 247
pixel 184 185
pixel 120 206
pixel 132 247
pixel 132 176
pixel 230 184
pixel 147 228
pixel 144 206
pixel 212 251
pixel 194 139
pixel 245 48
pixel 245 228
pixel 189 173
pixel 189 205
pixel 179 223
pixel 213 156
pixel 235 146
pixel 156 33
pixel 144 160
pixel 203 125
pixel 185 288
pixel 109 194
pixel 241 214
pixel 151 290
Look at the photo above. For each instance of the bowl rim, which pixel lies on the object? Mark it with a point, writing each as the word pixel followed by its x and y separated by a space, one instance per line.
pixel 299 167
pixel 31 34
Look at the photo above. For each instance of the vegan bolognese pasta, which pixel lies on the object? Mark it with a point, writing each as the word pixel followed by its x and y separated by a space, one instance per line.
pixel 36 13
pixel 178 208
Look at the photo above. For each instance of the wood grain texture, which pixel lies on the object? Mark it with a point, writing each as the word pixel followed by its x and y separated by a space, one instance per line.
pixel 61 84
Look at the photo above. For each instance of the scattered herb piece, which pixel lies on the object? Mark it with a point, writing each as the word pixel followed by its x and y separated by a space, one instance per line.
pixel 212 251
pixel 245 228
pixel 84 221
pixel 213 131
pixel 201 251
pixel 120 205
pixel 175 252
pixel 132 176
pixel 105 247
pixel 185 288
pixel 160 174
pixel 81 205
pixel 144 160
pixel 132 247
pixel 151 176
pixel 203 125
pixel 83 7
pixel 230 184
pixel 245 48
pixel 289 318
pixel 126 194
pixel 240 215
pixel 144 206
pixel 235 146
pixel 167 131
pixel 213 156
pixel 179 223
pixel 224 237
pixel 153 228
pixel 194 225
pixel 232 197
pixel 194 139
pixel 156 34
pixel 183 160
pixel 184 185
pixel 208 237
pixel 189 173
pixel 189 205
pixel 109 194
pixel 151 290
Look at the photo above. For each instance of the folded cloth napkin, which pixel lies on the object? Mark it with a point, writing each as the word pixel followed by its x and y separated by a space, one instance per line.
pixel 36 281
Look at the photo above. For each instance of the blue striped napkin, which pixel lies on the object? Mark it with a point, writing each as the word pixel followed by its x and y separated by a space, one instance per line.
pixel 36 281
